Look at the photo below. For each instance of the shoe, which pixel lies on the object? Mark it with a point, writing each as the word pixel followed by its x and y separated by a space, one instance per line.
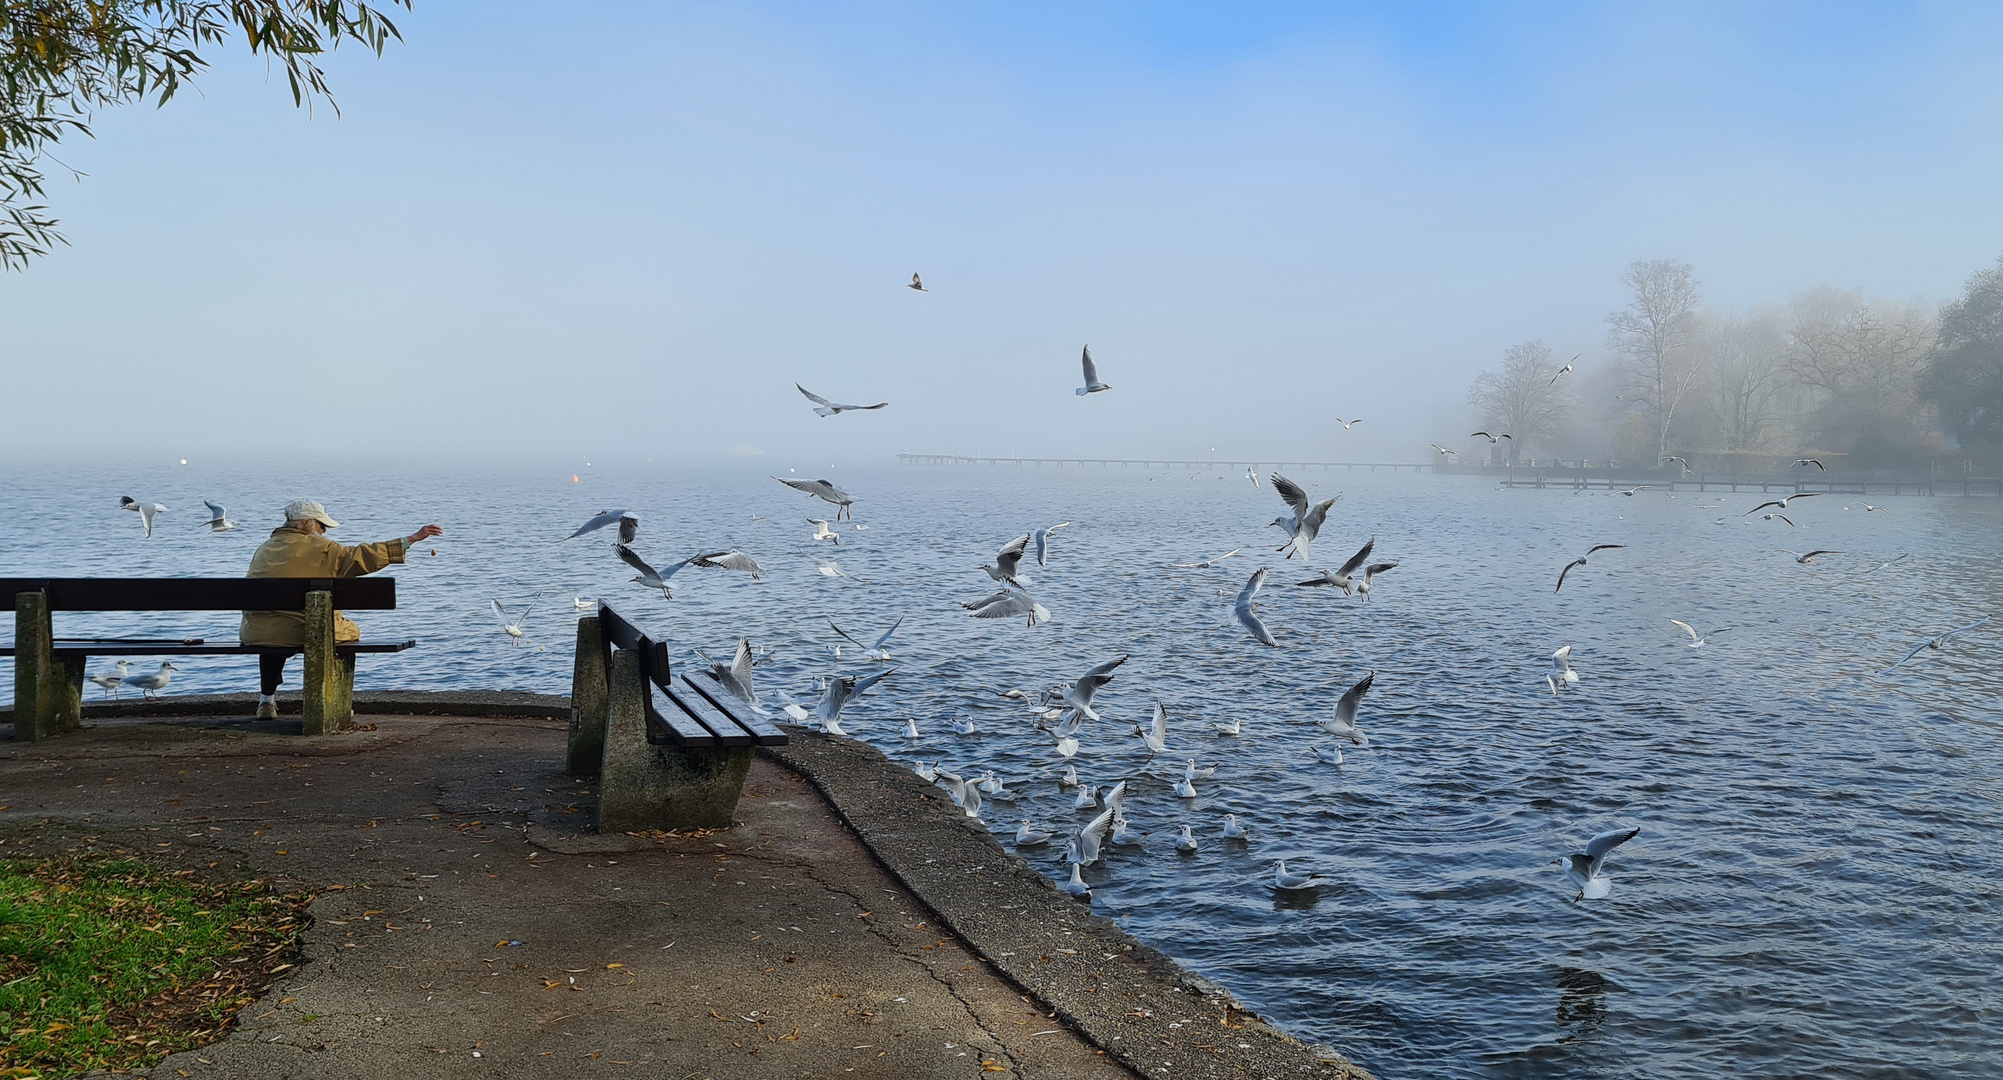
pixel 267 710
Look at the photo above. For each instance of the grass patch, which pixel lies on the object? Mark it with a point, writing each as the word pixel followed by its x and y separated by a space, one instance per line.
pixel 113 963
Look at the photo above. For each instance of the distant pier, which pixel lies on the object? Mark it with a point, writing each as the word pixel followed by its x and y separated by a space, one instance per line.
pixel 1978 486
pixel 1161 463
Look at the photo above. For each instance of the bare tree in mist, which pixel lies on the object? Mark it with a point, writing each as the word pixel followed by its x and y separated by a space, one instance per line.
pixel 1522 398
pixel 1651 334
pixel 1863 362
pixel 1753 392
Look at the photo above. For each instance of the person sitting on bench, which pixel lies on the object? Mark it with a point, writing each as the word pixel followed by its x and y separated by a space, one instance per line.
pixel 300 548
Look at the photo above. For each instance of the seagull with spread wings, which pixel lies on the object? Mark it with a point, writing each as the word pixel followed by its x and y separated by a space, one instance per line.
pixel 1939 642
pixel 1584 867
pixel 736 675
pixel 1444 452
pixel 1011 601
pixel 917 285
pixel 841 690
pixel 1781 504
pixel 1207 563
pixel 144 510
pixel 649 577
pixel 1803 462
pixel 1696 639
pixel 1007 561
pixel 219 519
pixel 1343 725
pixel 1343 578
pixel 1581 561
pixel 877 651
pixel 824 490
pixel 1492 439
pixel 604 518
pixel 730 560
pixel 1041 538
pixel 1806 557
pixel 1249 618
pixel 1305 523
pixel 1563 371
pixel 825 408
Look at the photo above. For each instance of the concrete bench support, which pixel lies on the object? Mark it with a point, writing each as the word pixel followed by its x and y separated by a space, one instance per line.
pixel 587 699
pixel 329 698
pixel 644 786
pixel 34 668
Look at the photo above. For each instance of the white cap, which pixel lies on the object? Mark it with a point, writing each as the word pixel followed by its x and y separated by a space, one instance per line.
pixel 308 510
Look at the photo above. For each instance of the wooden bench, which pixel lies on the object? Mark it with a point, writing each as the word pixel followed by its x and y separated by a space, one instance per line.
pixel 49 671
pixel 670 749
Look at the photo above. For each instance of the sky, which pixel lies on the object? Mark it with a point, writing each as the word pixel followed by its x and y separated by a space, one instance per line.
pixel 545 234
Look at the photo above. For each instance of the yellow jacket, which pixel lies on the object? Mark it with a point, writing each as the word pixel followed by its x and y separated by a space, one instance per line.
pixel 294 552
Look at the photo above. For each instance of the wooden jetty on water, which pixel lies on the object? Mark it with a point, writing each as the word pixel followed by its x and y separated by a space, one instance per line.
pixel 1861 486
pixel 1160 463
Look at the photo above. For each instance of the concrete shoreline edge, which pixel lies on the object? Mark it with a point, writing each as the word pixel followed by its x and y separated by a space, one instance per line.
pixel 1124 997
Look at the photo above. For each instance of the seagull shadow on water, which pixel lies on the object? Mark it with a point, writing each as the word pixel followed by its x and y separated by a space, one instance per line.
pixel 1581 1002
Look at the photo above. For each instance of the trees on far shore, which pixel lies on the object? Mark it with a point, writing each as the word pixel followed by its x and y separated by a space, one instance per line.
pixel 1524 398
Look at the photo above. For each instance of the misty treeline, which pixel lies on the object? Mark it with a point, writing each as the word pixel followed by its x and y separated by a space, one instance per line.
pixel 1856 381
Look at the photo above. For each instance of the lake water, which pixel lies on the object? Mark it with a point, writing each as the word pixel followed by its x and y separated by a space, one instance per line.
pixel 1816 890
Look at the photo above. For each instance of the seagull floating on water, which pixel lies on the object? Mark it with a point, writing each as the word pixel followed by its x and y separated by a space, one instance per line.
pixel 1287 881
pixel 825 408
pixel 1186 844
pixel 1233 830
pixel 1233 728
pixel 1584 867
pixel 1092 383
pixel 1076 886
pixel 1025 836
pixel 1326 757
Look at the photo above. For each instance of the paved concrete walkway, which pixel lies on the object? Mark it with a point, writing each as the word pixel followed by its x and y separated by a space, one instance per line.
pixel 469 921
pixel 465 926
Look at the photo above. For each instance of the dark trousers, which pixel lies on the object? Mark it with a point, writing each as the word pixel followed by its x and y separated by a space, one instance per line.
pixel 271 671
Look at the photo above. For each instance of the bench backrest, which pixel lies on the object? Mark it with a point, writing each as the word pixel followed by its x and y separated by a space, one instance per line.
pixel 202 594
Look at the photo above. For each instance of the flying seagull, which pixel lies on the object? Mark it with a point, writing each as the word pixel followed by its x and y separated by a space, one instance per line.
pixel 1562 677
pixel 1782 503
pixel 649 577
pixel 826 491
pixel 1012 600
pixel 825 408
pixel 1775 517
pixel 736 675
pixel 514 629
pixel 877 651
pixel 1697 640
pixel 1156 735
pixel 1886 565
pixel 1243 608
pixel 1010 557
pixel 1584 867
pixel 1347 424
pixel 1344 724
pixel 841 690
pixel 1807 557
pixel 730 560
pixel 822 532
pixel 1868 507
pixel 1491 438
pixel 602 519
pixel 917 284
pixel 1667 458
pixel 1341 578
pixel 1798 462
pixel 144 510
pixel 1304 524
pixel 1629 492
pixel 1079 694
pixel 1092 383
pixel 219 518
pixel 1581 561
pixel 1207 563
pixel 1041 538
pixel 1930 643
pixel 1566 370
pixel 1371 571
pixel 1443 450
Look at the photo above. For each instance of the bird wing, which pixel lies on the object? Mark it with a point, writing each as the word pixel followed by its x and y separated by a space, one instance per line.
pixel 1568 569
pixel 1789 520
pixel 1312 524
pixel 1356 560
pixel 741 664
pixel 1824 551
pixel 1011 555
pixel 1249 618
pixel 994 598
pixel 1917 649
pixel 865 408
pixel 629 528
pixel 1378 568
pixel 1098 676
pixel 1688 629
pixel 797 485
pixel 1601 547
pixel 845 634
pixel 1761 507
pixel 1296 497
pixel 1003 604
pixel 1091 369
pixel 878 647
pixel 216 513
pixel 604 518
pixel 1345 709
pixel 1315 581
pixel 868 681
pixel 500 612
pixel 1800 495
pixel 1964 629
pixel 729 560
pixel 632 559
pixel 1598 846
pixel 1251 588
pixel 1160 726
pixel 816 398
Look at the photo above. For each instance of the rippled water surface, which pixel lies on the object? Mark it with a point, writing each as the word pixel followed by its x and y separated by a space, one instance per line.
pixel 1817 888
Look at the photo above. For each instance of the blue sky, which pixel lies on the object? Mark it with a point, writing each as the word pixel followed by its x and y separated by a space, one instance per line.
pixel 626 234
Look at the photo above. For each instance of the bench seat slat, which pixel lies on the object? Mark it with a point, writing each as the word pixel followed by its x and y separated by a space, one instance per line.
pixel 681 727
pixel 202 594
pixel 762 730
pixel 726 730
pixel 141 648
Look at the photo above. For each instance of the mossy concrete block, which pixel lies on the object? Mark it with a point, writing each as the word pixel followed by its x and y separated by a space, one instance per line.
pixel 642 786
pixel 587 699
pixel 328 703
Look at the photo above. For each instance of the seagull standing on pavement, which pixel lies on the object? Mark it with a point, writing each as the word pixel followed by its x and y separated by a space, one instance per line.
pixel 150 685
pixel 1092 383
pixel 110 680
